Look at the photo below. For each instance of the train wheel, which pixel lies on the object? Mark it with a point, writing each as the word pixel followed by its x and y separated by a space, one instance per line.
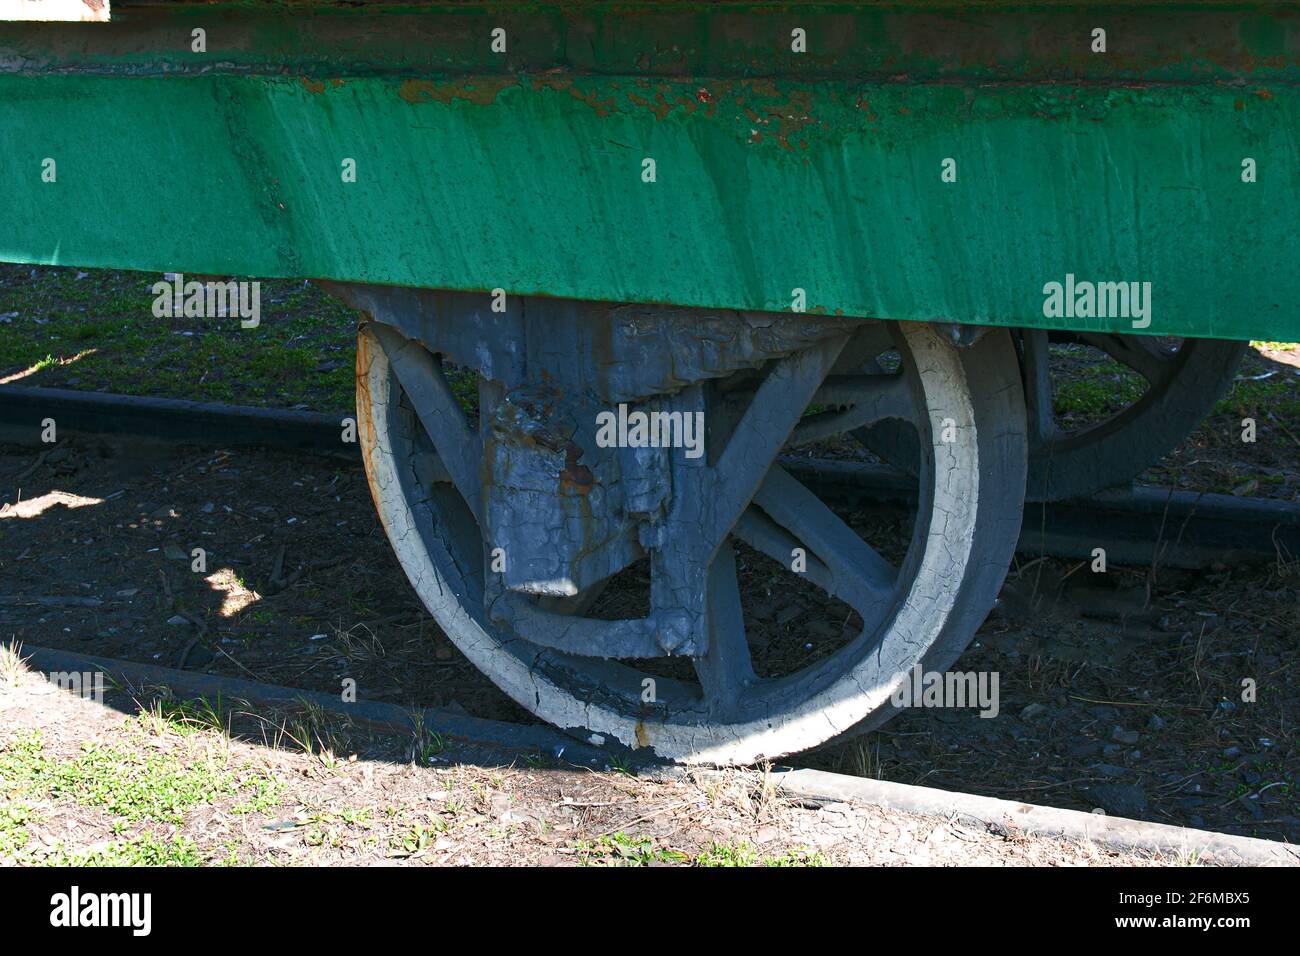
pixel 706 699
pixel 1181 379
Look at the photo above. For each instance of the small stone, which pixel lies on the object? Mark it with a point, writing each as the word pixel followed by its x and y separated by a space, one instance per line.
pixel 1232 752
pixel 208 508
pixel 177 620
pixel 1155 722
pixel 1246 488
pixel 1122 736
pixel 1032 711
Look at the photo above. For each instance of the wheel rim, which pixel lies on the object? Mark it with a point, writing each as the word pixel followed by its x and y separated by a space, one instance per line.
pixel 1183 379
pixel 939 595
pixel 1181 388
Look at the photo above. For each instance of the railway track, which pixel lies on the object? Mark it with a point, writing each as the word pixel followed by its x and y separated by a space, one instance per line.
pixel 1194 528
pixel 1136 526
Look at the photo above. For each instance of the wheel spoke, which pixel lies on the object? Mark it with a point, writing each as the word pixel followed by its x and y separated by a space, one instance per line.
pixel 764 535
pixel 863 348
pixel 858 574
pixel 764 429
pixel 871 398
pixel 1147 359
pixel 1038 385
pixel 726 668
pixel 583 636
pixel 422 378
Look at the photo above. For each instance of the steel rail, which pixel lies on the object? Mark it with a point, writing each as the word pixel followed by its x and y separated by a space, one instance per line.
pixel 1136 526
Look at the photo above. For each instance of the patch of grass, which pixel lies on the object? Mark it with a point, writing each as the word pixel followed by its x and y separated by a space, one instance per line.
pixel 141 851
pixel 315 732
pixel 1276 398
pixel 619 849
pixel 799 856
pixel 426 745
pixel 137 787
pixel 266 794
pixel 737 853
pixel 12 663
pixel 415 838
pixel 1095 391
pixel 99 333
pixel 183 717
pixel 22 761
pixel 14 817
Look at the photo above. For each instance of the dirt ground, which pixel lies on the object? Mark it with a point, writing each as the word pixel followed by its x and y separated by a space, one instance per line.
pixel 1105 701
pixel 142 779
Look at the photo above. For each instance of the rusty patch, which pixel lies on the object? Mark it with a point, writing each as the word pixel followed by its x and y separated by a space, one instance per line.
pixel 312 86
pixel 602 107
pixel 481 91
pixel 642 738
pixel 576 478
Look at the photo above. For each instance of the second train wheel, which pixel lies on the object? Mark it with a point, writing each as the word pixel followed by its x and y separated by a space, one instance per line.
pixel 1181 381
pixel 920 606
pixel 1182 378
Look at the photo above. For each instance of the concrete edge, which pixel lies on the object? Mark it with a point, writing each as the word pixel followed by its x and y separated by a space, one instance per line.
pixel 818 786
pixel 474 731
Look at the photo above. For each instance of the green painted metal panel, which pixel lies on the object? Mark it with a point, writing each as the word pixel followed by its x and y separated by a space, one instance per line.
pixel 532 182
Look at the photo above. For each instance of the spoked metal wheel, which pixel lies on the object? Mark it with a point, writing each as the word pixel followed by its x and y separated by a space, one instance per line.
pixel 684 679
pixel 1181 381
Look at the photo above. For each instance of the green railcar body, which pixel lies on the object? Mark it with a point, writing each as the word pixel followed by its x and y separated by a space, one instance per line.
pixel 934 162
